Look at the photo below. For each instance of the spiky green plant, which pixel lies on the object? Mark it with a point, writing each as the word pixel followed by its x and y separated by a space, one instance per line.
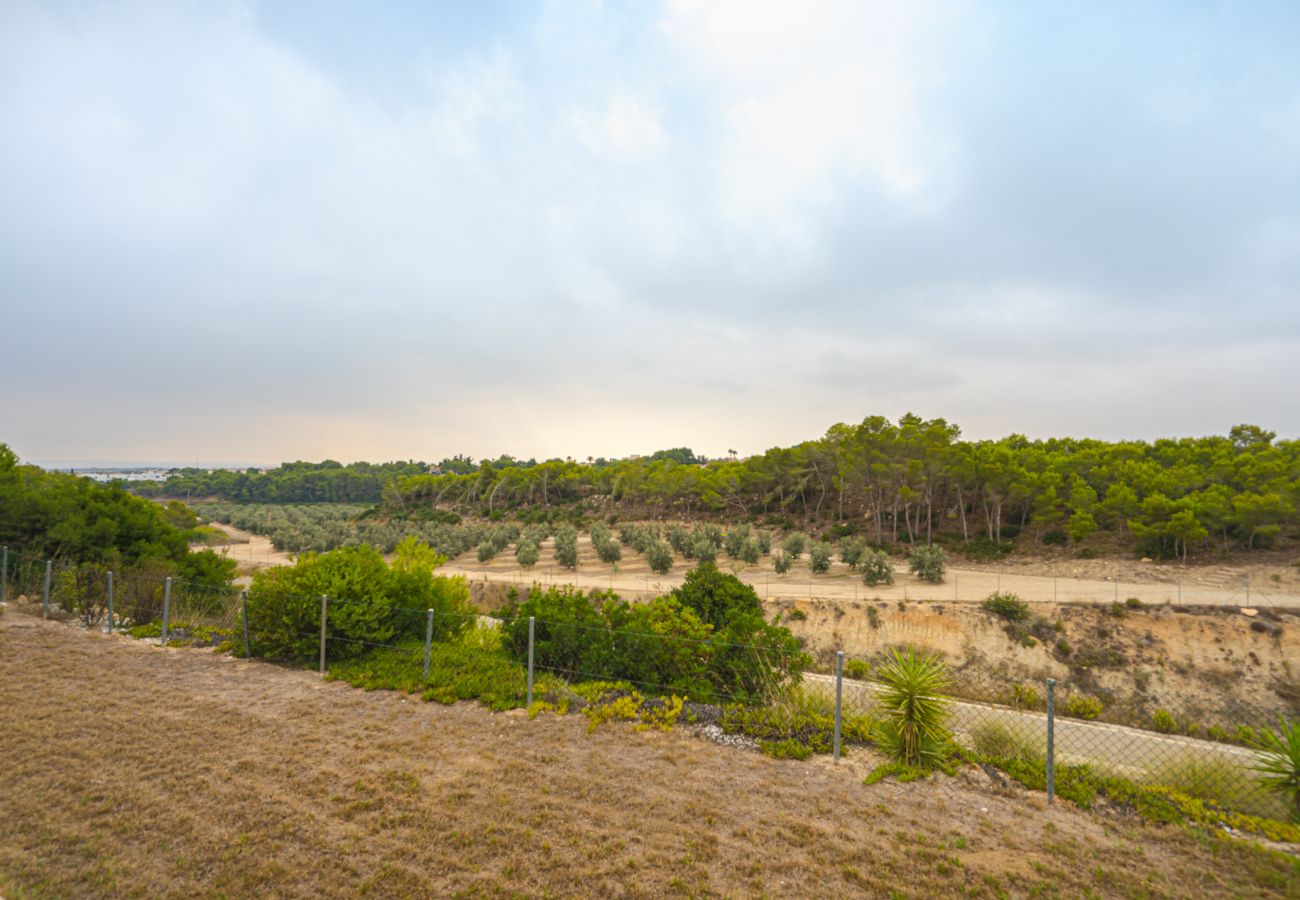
pixel 1279 764
pixel 915 711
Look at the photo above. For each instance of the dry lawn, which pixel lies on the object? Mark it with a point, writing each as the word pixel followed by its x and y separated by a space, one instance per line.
pixel 130 769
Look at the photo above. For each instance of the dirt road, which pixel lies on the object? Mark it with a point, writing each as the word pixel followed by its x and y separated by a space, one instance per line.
pixel 133 769
pixel 634 578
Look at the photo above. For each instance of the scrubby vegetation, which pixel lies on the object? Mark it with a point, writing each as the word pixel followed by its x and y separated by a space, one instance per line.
pixel 89 529
pixel 911 480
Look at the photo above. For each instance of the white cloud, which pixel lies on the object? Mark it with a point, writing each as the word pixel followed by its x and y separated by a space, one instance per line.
pixel 813 95
pixel 626 128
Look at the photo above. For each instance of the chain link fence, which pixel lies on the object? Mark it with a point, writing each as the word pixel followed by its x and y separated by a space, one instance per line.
pixel 1047 742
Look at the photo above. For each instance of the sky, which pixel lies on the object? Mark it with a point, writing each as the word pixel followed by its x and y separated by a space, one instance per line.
pixel 263 231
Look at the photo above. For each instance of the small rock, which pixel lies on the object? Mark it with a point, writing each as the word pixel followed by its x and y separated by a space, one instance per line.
pixel 1248 611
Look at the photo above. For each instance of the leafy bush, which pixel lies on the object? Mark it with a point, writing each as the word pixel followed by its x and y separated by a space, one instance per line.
pixel 981 549
pixel 858 669
pixel 526 554
pixel 1056 537
pixel 927 562
pixel 794 544
pixel 851 550
pixel 707 639
pixel 750 655
pixel 1163 721
pixel 781 562
pixel 1082 706
pixel 1007 606
pixel 819 556
pixel 876 568
pixel 371 602
pixel 914 730
pixel 486 551
pixel 995 740
pixel 735 540
pixel 659 558
pixel 566 546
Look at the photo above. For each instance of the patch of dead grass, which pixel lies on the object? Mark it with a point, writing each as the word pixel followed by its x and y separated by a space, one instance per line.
pixel 133 769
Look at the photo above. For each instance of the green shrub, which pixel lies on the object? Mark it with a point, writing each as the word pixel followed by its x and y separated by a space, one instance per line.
pixel 794 544
pixel 527 554
pixel 371 602
pixel 819 556
pixel 928 562
pixel 1082 706
pixel 781 562
pixel 1024 696
pixel 981 549
pixel 1163 721
pixel 858 669
pixel 750 551
pixel 1056 537
pixel 659 557
pixel 796 615
pixel 764 539
pixel 566 546
pixel 1133 603
pixel 609 551
pixel 1007 606
pixel 486 551
pixel 706 639
pixel 1087 553
pixel 914 728
pixel 996 740
pixel 851 551
pixel 876 568
pixel 735 540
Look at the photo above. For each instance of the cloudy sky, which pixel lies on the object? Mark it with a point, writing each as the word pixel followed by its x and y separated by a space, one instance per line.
pixel 257 231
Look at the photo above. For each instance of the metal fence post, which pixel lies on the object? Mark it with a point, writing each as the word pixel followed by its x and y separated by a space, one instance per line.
pixel 428 641
pixel 167 607
pixel 1053 588
pixel 4 575
pixel 110 601
pixel 324 605
pixel 1051 740
pixel 956 594
pixel 531 624
pixel 243 603
pixel 839 696
pixel 45 594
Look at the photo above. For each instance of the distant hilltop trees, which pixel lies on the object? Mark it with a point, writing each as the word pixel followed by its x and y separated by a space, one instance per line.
pixel 912 480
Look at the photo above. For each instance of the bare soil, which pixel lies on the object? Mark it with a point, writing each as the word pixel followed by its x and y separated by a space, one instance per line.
pixel 131 769
pixel 1041 579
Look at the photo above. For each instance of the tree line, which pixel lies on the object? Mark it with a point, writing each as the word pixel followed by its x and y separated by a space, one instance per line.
pixel 910 480
pixel 60 516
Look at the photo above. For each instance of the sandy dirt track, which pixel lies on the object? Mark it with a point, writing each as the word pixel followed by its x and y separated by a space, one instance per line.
pixel 134 769
pixel 1151 583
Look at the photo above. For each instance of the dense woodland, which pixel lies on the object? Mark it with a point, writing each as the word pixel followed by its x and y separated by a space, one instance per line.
pixel 909 480
pixel 905 481
pixel 69 518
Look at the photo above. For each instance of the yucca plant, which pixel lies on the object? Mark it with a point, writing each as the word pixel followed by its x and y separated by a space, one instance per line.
pixel 915 711
pixel 1279 764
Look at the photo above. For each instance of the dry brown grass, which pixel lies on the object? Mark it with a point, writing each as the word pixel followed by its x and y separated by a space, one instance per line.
pixel 134 770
